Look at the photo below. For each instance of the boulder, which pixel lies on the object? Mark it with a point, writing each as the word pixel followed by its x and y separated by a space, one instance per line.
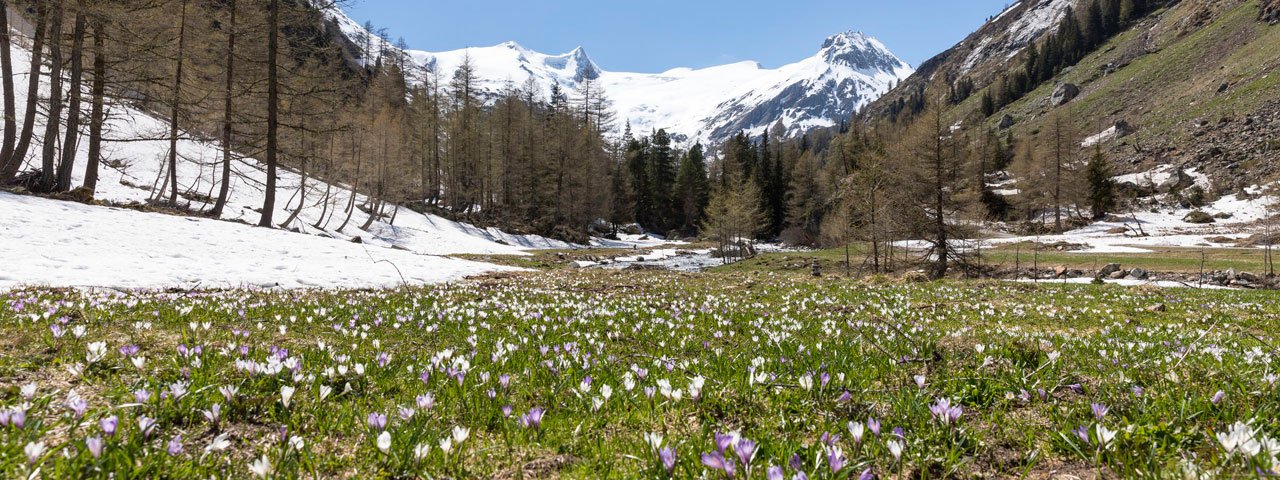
pixel 1060 271
pixel 1176 182
pixel 1118 275
pixel 1064 93
pixel 1199 217
pixel 1006 122
pixel 1124 129
pixel 1108 270
pixel 1139 274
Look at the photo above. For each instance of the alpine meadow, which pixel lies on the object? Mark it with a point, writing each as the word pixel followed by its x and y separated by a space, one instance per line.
pixel 271 239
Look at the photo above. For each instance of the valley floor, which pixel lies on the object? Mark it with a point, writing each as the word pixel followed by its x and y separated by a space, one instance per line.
pixel 624 374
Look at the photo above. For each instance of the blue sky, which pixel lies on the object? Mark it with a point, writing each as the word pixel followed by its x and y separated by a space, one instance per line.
pixel 657 35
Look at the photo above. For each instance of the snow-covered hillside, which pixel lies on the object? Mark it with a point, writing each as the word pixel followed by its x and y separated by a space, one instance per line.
pixel 55 243
pixel 849 71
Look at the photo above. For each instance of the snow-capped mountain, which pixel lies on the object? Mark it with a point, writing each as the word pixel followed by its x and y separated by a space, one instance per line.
pixel 708 105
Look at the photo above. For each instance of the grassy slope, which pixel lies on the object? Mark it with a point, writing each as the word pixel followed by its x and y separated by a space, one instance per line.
pixel 1163 92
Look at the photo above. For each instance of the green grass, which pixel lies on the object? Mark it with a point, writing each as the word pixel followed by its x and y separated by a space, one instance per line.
pixel 1160 259
pixel 785 361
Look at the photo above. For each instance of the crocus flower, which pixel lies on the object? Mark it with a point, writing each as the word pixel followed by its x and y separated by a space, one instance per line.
pixel 1105 436
pixel 856 431
pixel 874 426
pixel 667 456
pixel 34 452
pixel 746 450
pixel 377 421
pixel 145 426
pixel 384 441
pixel 1099 410
pixel 533 419
pixel 895 448
pixel 775 473
pixel 261 467
pixel 835 459
pixel 109 425
pixel 94 444
pixel 175 445
pixel 1217 397
pixel 716 461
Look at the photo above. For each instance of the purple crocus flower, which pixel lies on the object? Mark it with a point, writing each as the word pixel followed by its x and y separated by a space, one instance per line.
pixel 835 459
pixel 845 397
pixel 1082 433
pixel 667 456
pixel 18 418
pixel 1138 391
pixel 94 444
pixel 377 421
pixel 109 425
pixel 867 475
pixel 746 450
pixel 874 426
pixel 800 476
pixel 1099 410
pixel 146 425
pixel 796 463
pixel 1218 397
pixel 533 419
pixel 506 411
pixel 78 406
pixel 175 446
pixel 944 412
pixel 716 461
pixel 723 442
pixel 775 473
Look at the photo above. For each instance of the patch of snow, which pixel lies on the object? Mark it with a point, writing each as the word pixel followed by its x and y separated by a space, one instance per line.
pixel 67 244
pixel 1104 136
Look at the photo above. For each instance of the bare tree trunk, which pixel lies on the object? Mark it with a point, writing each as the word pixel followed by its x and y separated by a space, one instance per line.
pixel 19 154
pixel 273 112
pixel 302 187
pixel 173 108
pixel 97 115
pixel 48 177
pixel 6 72
pixel 70 145
pixel 225 190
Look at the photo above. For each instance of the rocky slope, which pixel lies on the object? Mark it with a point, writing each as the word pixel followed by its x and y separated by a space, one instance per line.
pixel 1192 86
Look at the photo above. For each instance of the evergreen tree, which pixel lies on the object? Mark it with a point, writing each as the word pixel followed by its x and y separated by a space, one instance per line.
pixel 1102 196
pixel 662 177
pixel 692 190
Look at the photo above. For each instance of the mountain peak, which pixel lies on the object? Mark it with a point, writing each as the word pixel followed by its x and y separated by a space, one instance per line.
pixel 847 39
pixel 859 51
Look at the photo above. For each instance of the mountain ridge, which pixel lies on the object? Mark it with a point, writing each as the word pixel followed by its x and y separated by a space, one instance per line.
pixel 707 105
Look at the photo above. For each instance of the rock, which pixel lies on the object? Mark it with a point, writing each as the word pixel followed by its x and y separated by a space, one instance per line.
pixel 582 264
pixel 1060 271
pixel 1199 217
pixel 1230 274
pixel 1118 275
pixel 1064 93
pixel 357 240
pixel 1006 122
pixel 1124 129
pixel 1247 277
pixel 632 229
pixel 1108 270
pixel 1157 308
pixel 1176 182
pixel 1139 274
